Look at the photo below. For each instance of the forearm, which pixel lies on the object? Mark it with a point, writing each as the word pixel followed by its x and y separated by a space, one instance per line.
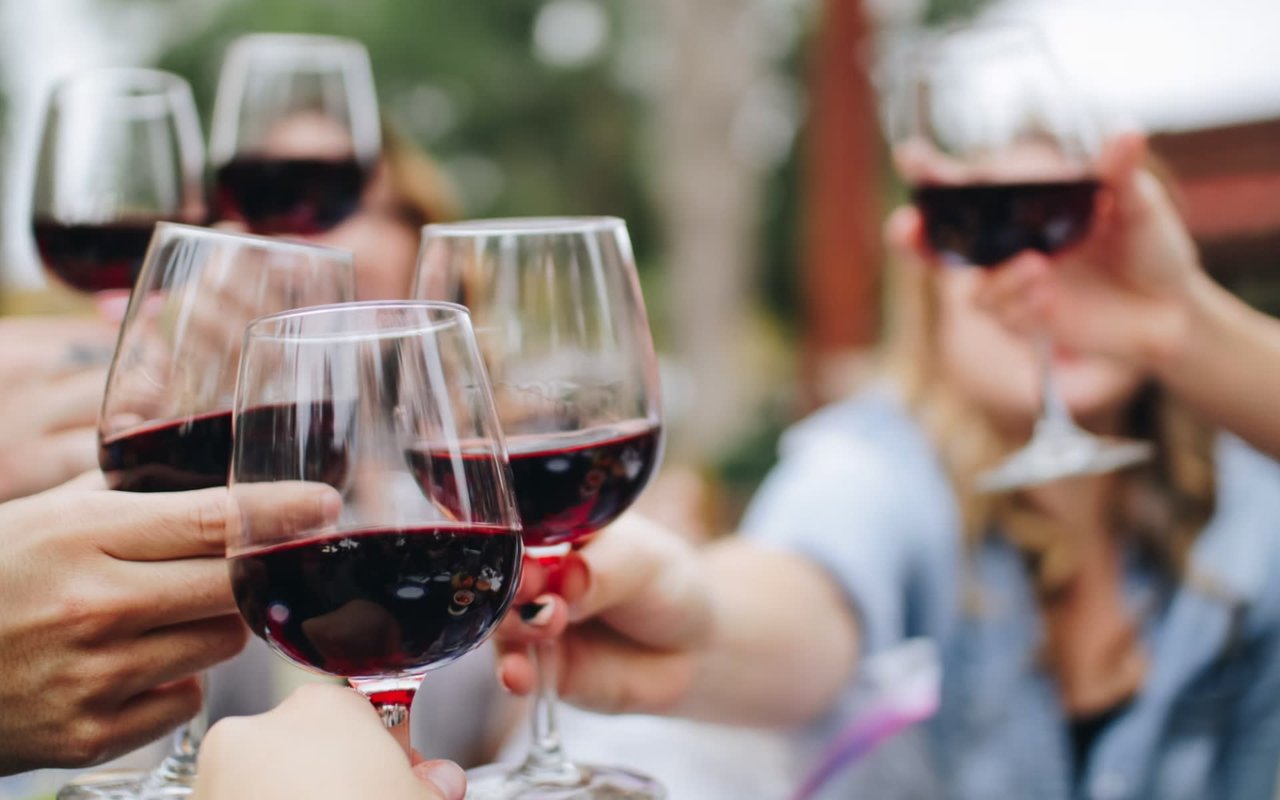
pixel 783 642
pixel 1222 358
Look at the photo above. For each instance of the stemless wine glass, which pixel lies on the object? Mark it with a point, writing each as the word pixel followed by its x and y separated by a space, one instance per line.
pixel 1001 159
pixel 166 415
pixel 562 328
pixel 295 132
pixel 388 403
pixel 121 150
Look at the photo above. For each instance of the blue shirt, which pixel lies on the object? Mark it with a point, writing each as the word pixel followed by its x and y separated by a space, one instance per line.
pixel 860 491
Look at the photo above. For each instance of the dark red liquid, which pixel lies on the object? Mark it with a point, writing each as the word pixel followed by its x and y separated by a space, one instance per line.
pixel 289 195
pixel 94 258
pixel 985 224
pixel 195 452
pixel 567 486
pixel 379 602
pixel 174 456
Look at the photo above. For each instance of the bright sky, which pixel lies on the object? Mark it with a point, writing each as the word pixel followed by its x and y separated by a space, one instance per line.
pixel 1168 64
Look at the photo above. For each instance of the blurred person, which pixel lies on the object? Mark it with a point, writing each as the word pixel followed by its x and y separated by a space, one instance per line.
pixel 322 743
pixel 1111 636
pixel 113 602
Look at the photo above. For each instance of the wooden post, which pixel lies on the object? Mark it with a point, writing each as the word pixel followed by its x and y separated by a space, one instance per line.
pixel 841 238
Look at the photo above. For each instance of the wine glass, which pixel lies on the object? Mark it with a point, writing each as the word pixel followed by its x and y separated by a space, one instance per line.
pixel 121 150
pixel 388 403
pixel 295 132
pixel 562 328
pixel 1001 158
pixel 166 416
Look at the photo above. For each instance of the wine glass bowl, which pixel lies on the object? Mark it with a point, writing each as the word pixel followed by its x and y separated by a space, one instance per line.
pixel 411 573
pixel 120 150
pixel 295 132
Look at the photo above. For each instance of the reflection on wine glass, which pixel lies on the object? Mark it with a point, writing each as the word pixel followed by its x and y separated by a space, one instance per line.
pixel 295 132
pixel 120 150
pixel 563 330
pixel 1001 157
pixel 166 416
pixel 370 399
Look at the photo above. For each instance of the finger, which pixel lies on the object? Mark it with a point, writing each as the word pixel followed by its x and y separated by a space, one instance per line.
pixel 163 526
pixel 541 619
pixel 516 673
pixel 279 510
pixel 444 779
pixel 146 717
pixel 176 592
pixel 38 464
pixel 73 401
pixel 905 236
pixel 606 672
pixel 1011 284
pixel 1119 166
pixel 169 654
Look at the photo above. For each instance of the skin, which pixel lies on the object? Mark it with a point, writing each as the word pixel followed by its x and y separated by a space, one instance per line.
pixel 113 602
pixel 322 742
pixel 653 624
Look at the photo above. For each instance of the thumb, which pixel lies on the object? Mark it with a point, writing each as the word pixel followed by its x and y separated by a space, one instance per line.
pixel 445 779
pixel 1119 167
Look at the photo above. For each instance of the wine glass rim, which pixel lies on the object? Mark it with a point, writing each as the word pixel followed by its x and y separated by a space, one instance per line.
pixel 143 81
pixel 265 242
pixel 441 314
pixel 503 226
pixel 295 41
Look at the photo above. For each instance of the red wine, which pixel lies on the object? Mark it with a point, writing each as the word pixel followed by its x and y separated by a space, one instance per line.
pixel 379 602
pixel 985 224
pixel 94 258
pixel 567 486
pixel 289 195
pixel 173 456
pixel 195 452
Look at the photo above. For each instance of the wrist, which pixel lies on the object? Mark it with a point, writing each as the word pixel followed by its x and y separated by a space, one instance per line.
pixel 1169 344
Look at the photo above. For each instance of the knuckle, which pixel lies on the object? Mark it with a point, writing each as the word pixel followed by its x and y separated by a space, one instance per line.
pixel 88 740
pixel 209 519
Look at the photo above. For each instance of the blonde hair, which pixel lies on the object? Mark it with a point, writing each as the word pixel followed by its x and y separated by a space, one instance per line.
pixel 1163 506
pixel 422 191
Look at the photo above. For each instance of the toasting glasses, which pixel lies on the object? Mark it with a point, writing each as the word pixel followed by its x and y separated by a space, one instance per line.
pixel 562 328
pixel 295 132
pixel 121 149
pixel 1001 155
pixel 166 417
pixel 387 404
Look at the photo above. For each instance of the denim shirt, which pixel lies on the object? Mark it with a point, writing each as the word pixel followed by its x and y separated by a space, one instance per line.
pixel 860 491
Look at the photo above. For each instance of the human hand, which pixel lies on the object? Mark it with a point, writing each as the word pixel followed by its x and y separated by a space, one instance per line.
pixel 322 742
pixel 53 370
pixel 1128 291
pixel 113 601
pixel 631 615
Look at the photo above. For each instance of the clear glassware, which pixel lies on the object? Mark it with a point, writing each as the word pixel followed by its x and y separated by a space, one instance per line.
pixel 295 132
pixel 166 414
pixel 562 327
pixel 1001 159
pixel 388 404
pixel 120 150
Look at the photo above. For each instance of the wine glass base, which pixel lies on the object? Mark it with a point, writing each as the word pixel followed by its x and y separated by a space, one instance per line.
pixel 503 782
pixel 1051 458
pixel 109 785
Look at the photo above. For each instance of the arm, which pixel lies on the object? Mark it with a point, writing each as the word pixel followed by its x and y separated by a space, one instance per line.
pixel 734 632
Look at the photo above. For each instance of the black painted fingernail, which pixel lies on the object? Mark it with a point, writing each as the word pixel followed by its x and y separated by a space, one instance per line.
pixel 530 610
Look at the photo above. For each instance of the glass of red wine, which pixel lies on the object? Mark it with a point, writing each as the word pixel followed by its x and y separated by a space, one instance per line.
pixel 562 328
pixel 166 418
pixel 295 132
pixel 1001 158
pixel 388 404
pixel 121 150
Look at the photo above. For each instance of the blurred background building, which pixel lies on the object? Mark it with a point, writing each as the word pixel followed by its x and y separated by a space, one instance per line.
pixel 737 137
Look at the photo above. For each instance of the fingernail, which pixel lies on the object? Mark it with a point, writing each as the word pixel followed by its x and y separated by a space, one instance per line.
pixel 446 776
pixel 538 612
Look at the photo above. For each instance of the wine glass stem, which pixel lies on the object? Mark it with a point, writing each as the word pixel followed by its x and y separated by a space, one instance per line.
pixel 1055 417
pixel 395 717
pixel 546 762
pixel 179 765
